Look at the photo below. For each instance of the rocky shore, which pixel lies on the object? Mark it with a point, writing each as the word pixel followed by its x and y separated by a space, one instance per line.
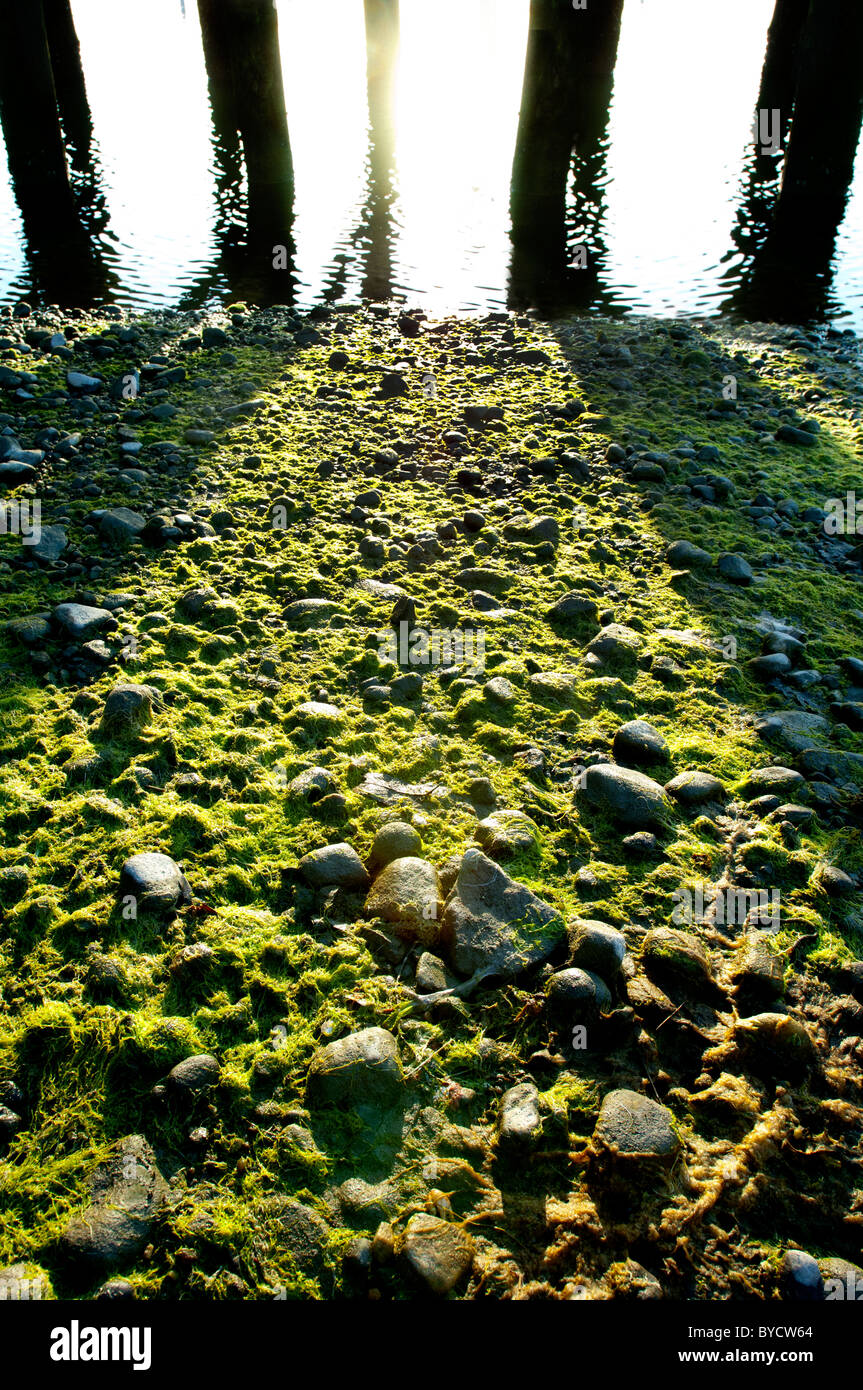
pixel 431 773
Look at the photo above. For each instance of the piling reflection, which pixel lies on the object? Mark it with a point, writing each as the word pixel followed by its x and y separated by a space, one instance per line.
pixel 41 79
pixel 788 228
pixel 558 248
pixel 252 154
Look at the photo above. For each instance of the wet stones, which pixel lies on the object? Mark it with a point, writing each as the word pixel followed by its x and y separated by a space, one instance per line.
pixel 128 1190
pixel 504 834
pixel 437 1253
pixel 576 996
pixel 695 788
pixel 120 526
pixel 361 1069
pixel 683 555
pixel 519 1121
pixel 629 797
pixel 639 744
pixel 337 866
pixel 596 947
pixel 397 840
pixel 772 781
pixel 574 607
pixel 678 955
pixel 735 569
pixel 193 1077
pixel 615 644
pixel 632 1128
pixel 494 924
pixel 155 883
pixel 407 893
pixel 80 622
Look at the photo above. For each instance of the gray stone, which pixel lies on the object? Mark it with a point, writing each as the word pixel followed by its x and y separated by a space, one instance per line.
pixel 632 1126
pixel 397 840
pixel 506 833
pixel 120 526
pixel 683 555
pixel 494 924
pixel 631 798
pixel 576 996
pixel 801 1277
pixel 81 622
pixel 772 781
pixel 155 882
pixel 694 788
pixel 407 893
pixel 438 1253
pixel 519 1122
pixel 596 947
pixel 336 865
pixel 615 644
pixel 194 1075
pixel 361 1069
pixel 639 743
pixel 574 606
pixel 50 545
pixel 735 569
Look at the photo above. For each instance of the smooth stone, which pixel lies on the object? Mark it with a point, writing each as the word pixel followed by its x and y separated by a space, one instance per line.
pixel 632 1126
pixel 630 797
pixel 694 788
pixel 735 569
pixel 82 622
pixel 397 840
pixel 128 709
pixel 407 893
pixel 596 947
pixel 438 1253
pixel 519 1119
pixel 638 742
pixel 336 865
pixel 155 882
pixel 360 1069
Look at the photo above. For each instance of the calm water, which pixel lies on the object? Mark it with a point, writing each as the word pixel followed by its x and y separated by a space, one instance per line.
pixel 416 200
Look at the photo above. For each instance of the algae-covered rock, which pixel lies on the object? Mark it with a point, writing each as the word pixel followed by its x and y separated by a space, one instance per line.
pixel 128 1191
pixel 493 923
pixel 408 893
pixel 437 1253
pixel 632 1126
pixel 596 946
pixel 629 797
pixel 361 1069
pixel 667 952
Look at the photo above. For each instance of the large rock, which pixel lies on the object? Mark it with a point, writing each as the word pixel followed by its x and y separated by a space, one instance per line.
pixel 693 788
pixel 408 894
pixel 616 644
pixel 439 1253
pixel 50 545
pixel 361 1069
pixel 128 1190
pixel 493 923
pixel 639 743
pixel 336 866
pixel 633 1126
pixel 397 840
pixel 506 833
pixel 597 947
pixel 155 882
pixel 81 622
pixel 128 709
pixel 120 526
pixel 629 797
